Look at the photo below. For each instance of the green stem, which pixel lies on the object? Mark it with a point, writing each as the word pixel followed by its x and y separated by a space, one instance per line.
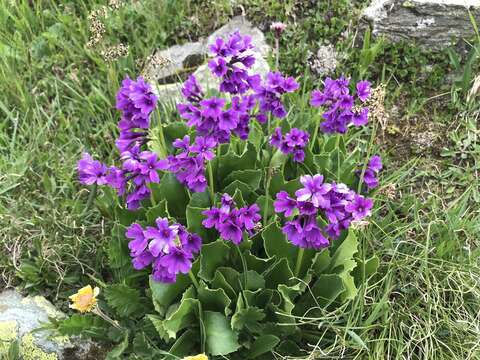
pixel 210 182
pixel 277 53
pixel 194 280
pixel 267 187
pixel 245 271
pixel 298 265
pixel 337 146
pixel 315 133
pixel 91 198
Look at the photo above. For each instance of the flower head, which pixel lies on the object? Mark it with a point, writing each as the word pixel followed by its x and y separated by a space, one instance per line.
pixel 85 299
pixel 278 28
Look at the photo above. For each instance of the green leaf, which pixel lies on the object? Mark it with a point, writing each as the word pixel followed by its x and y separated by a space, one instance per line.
pixel 275 244
pixel 159 210
pixel 173 192
pixel 321 262
pixel 83 325
pixel 262 345
pixel 221 339
pixel 219 282
pixel 163 295
pixel 255 136
pixel 123 299
pixel 250 177
pixel 157 323
pixel 194 223
pixel 254 280
pixel 175 130
pixel 342 259
pixel 279 273
pixel 184 316
pixel 262 202
pixel 248 318
pixel 214 299
pixel 212 256
pixel 325 290
pixel 232 162
pixel 200 200
pixel 119 349
pixel 184 346
pixel 357 339
pixel 243 188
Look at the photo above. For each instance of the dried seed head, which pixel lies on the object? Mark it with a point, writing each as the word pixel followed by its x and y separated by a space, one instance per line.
pixel 114 52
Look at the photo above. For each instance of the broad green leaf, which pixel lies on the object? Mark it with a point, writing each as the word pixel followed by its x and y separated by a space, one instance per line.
pixel 219 282
pixel 231 161
pixel 262 202
pixel 173 192
pixel 262 345
pixel 255 136
pixel 279 273
pixel 221 339
pixel 127 217
pixel 321 262
pixel 369 268
pixel 175 130
pixel 194 223
pixel 200 200
pixel 124 299
pixel 249 318
pixel 256 263
pixel 342 259
pixel 212 256
pixel 163 295
pixel 278 159
pixel 276 244
pixel 159 210
pixel 157 323
pixel 237 185
pixel 184 346
pixel 184 316
pixel 349 285
pixel 325 291
pixel 250 177
pixel 254 280
pixel 214 299
pixel 357 339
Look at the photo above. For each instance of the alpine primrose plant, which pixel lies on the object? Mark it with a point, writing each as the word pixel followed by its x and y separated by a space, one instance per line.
pixel 233 224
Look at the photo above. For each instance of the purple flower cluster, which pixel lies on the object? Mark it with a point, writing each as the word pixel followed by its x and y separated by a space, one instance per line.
pixel 269 95
pixel 373 168
pixel 292 143
pixel 233 58
pixel 336 203
pixel 189 164
pixel 212 119
pixel 169 249
pixel 230 221
pixel 342 110
pixel 136 101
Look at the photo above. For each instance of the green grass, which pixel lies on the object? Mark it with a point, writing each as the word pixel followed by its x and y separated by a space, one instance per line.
pixel 57 100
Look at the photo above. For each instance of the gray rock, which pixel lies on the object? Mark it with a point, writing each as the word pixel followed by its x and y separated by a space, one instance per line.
pixel 167 69
pixel 19 316
pixel 325 62
pixel 433 23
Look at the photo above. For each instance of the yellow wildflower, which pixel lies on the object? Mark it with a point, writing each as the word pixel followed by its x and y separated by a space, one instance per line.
pixel 196 357
pixel 85 299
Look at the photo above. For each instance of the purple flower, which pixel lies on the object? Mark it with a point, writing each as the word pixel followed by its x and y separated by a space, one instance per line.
pixel 278 28
pixel 177 261
pixel 161 274
pixel 162 236
pixel 213 219
pixel 139 242
pixel 91 171
pixel 314 190
pixel 340 110
pixel 293 142
pixel 249 216
pixel 294 232
pixel 231 222
pixel 212 107
pixel 363 90
pixel 360 207
pixel 230 230
pixel 218 66
pixel 375 163
pixel 150 166
pixel 203 146
pixel 142 260
pixel 191 90
pixel 228 120
pixel 284 204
